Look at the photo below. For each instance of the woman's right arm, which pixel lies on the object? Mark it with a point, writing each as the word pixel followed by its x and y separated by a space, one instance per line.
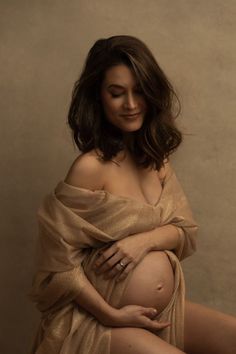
pixel 88 172
pixel 90 300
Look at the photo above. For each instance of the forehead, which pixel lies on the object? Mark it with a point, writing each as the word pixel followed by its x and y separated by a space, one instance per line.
pixel 120 75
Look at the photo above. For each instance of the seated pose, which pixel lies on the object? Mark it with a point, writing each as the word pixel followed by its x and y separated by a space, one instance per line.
pixel 113 233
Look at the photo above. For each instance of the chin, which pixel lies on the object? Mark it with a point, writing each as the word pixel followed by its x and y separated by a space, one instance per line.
pixel 132 126
pixel 134 129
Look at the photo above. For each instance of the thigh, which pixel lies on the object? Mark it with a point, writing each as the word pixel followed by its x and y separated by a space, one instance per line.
pixel 130 340
pixel 208 331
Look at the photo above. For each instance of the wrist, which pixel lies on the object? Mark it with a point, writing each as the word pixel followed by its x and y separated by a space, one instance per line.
pixel 150 239
pixel 116 318
pixel 164 237
pixel 106 315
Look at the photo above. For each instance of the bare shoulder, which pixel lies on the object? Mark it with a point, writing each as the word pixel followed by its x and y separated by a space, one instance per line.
pixel 87 171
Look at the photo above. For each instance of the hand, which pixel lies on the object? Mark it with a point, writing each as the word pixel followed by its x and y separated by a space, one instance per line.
pixel 135 316
pixel 129 251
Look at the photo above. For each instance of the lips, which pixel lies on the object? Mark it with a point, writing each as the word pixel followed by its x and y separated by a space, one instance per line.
pixel 134 115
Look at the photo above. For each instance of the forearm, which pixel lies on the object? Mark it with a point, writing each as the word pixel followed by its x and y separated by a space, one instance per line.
pixel 90 299
pixel 165 237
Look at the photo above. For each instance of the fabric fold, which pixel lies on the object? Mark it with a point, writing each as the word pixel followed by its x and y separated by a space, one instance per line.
pixel 74 224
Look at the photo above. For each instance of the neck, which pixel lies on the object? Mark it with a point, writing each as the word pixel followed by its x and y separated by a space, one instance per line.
pixel 128 139
pixel 125 153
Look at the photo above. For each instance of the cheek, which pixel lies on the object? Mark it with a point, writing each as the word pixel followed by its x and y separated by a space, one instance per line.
pixel 143 104
pixel 112 107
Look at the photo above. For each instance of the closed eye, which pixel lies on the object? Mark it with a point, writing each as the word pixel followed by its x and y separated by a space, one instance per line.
pixel 138 92
pixel 116 94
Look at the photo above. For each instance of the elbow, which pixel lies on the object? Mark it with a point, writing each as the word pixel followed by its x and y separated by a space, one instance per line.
pixel 188 242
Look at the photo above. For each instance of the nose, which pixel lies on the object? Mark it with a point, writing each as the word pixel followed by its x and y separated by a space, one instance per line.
pixel 130 102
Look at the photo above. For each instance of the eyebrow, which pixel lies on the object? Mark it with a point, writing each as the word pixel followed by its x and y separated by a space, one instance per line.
pixel 116 86
pixel 120 86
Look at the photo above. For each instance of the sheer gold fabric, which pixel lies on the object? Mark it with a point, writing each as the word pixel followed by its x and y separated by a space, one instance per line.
pixel 74 224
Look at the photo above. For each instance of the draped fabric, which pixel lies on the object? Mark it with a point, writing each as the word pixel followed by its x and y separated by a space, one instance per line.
pixel 74 225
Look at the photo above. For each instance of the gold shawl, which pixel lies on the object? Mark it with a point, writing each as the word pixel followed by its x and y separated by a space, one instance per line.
pixel 74 224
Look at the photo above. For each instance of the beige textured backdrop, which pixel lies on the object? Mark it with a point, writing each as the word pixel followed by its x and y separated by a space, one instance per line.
pixel 43 45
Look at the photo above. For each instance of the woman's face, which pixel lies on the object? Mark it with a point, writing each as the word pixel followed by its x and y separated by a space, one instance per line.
pixel 123 100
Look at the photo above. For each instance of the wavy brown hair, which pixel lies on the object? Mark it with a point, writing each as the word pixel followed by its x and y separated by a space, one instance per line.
pixel 158 137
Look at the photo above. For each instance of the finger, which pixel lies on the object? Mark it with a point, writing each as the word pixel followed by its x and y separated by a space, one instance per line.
pixel 104 256
pixel 150 312
pixel 126 271
pixel 156 325
pixel 109 263
pixel 117 269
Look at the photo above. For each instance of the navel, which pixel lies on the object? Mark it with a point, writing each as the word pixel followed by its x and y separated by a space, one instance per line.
pixel 159 286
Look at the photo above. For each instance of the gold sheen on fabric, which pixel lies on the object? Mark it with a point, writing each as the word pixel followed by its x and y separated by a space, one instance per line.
pixel 74 225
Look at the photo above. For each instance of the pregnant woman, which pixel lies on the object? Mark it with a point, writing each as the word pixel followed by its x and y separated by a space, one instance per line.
pixel 113 233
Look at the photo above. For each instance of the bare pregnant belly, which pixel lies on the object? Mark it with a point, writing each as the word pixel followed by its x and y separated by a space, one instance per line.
pixel 151 283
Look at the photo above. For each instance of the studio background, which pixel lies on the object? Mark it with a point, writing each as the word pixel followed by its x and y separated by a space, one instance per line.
pixel 43 47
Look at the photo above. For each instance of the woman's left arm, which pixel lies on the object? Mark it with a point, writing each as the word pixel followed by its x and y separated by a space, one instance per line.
pixel 165 237
pixel 132 249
